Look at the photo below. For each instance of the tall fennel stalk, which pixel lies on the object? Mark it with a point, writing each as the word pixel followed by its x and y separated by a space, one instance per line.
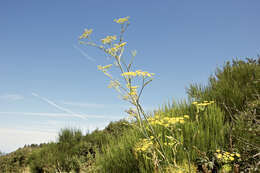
pixel 125 85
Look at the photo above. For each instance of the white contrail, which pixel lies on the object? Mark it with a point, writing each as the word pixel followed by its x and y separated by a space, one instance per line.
pixel 59 107
pixel 84 53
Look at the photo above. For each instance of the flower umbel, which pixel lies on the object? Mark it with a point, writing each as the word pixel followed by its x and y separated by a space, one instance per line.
pixel 226 157
pixel 112 51
pixel 121 20
pixel 108 39
pixel 86 33
pixel 137 73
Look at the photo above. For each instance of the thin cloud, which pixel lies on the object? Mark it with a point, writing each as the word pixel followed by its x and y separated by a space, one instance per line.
pixel 83 104
pixel 84 53
pixel 11 97
pixel 45 114
pixel 15 138
pixel 93 105
pixel 58 107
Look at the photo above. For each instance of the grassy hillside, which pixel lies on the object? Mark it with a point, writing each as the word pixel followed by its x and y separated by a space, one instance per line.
pixel 216 130
pixel 18 160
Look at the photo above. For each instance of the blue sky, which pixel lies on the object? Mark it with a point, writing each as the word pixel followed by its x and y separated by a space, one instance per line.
pixel 49 81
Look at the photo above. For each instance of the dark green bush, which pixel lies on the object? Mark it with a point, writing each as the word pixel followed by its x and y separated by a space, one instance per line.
pixel 117 155
pixel 15 162
pixel 44 159
pixel 232 86
pixel 68 154
pixel 246 136
pixel 236 89
pixel 99 138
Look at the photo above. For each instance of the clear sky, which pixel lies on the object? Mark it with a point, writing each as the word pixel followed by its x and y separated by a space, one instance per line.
pixel 48 81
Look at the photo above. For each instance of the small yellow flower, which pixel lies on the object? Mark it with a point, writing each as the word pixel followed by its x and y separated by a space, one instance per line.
pixel 217 151
pixel 219 156
pixel 100 67
pixel 181 121
pixel 171 144
pixel 231 158
pixel 131 73
pixel 86 33
pixel 121 20
pixel 122 44
pixel 144 73
pixel 194 103
pixel 226 153
pixel 202 104
pixel 104 67
pixel 107 66
pixel 133 93
pixel 132 87
pixel 225 158
pixel 237 154
pixel 186 116
pixel 108 39
pixel 115 49
pixel 143 145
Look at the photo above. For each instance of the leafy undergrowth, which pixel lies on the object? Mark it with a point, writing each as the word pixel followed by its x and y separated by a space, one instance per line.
pixel 219 136
pixel 17 161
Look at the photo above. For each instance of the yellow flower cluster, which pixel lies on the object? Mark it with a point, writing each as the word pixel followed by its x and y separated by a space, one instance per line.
pixel 137 73
pixel 226 156
pixel 144 73
pixel 132 87
pixel 133 93
pixel 204 103
pixel 112 51
pixel 200 107
pixel 167 121
pixel 108 39
pixel 121 20
pixel 104 67
pixel 132 112
pixel 170 144
pixel 144 145
pixel 131 73
pixel 86 33
pixel 171 141
pixel 114 84
pixel 133 90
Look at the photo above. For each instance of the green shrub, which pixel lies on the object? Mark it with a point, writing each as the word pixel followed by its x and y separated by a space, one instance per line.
pixel 118 155
pixel 16 161
pixel 246 136
pixel 232 86
pixel 98 138
pixel 236 90
pixel 209 133
pixel 44 159
pixel 70 153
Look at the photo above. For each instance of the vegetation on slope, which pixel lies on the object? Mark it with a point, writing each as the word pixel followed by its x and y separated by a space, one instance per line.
pixel 217 137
